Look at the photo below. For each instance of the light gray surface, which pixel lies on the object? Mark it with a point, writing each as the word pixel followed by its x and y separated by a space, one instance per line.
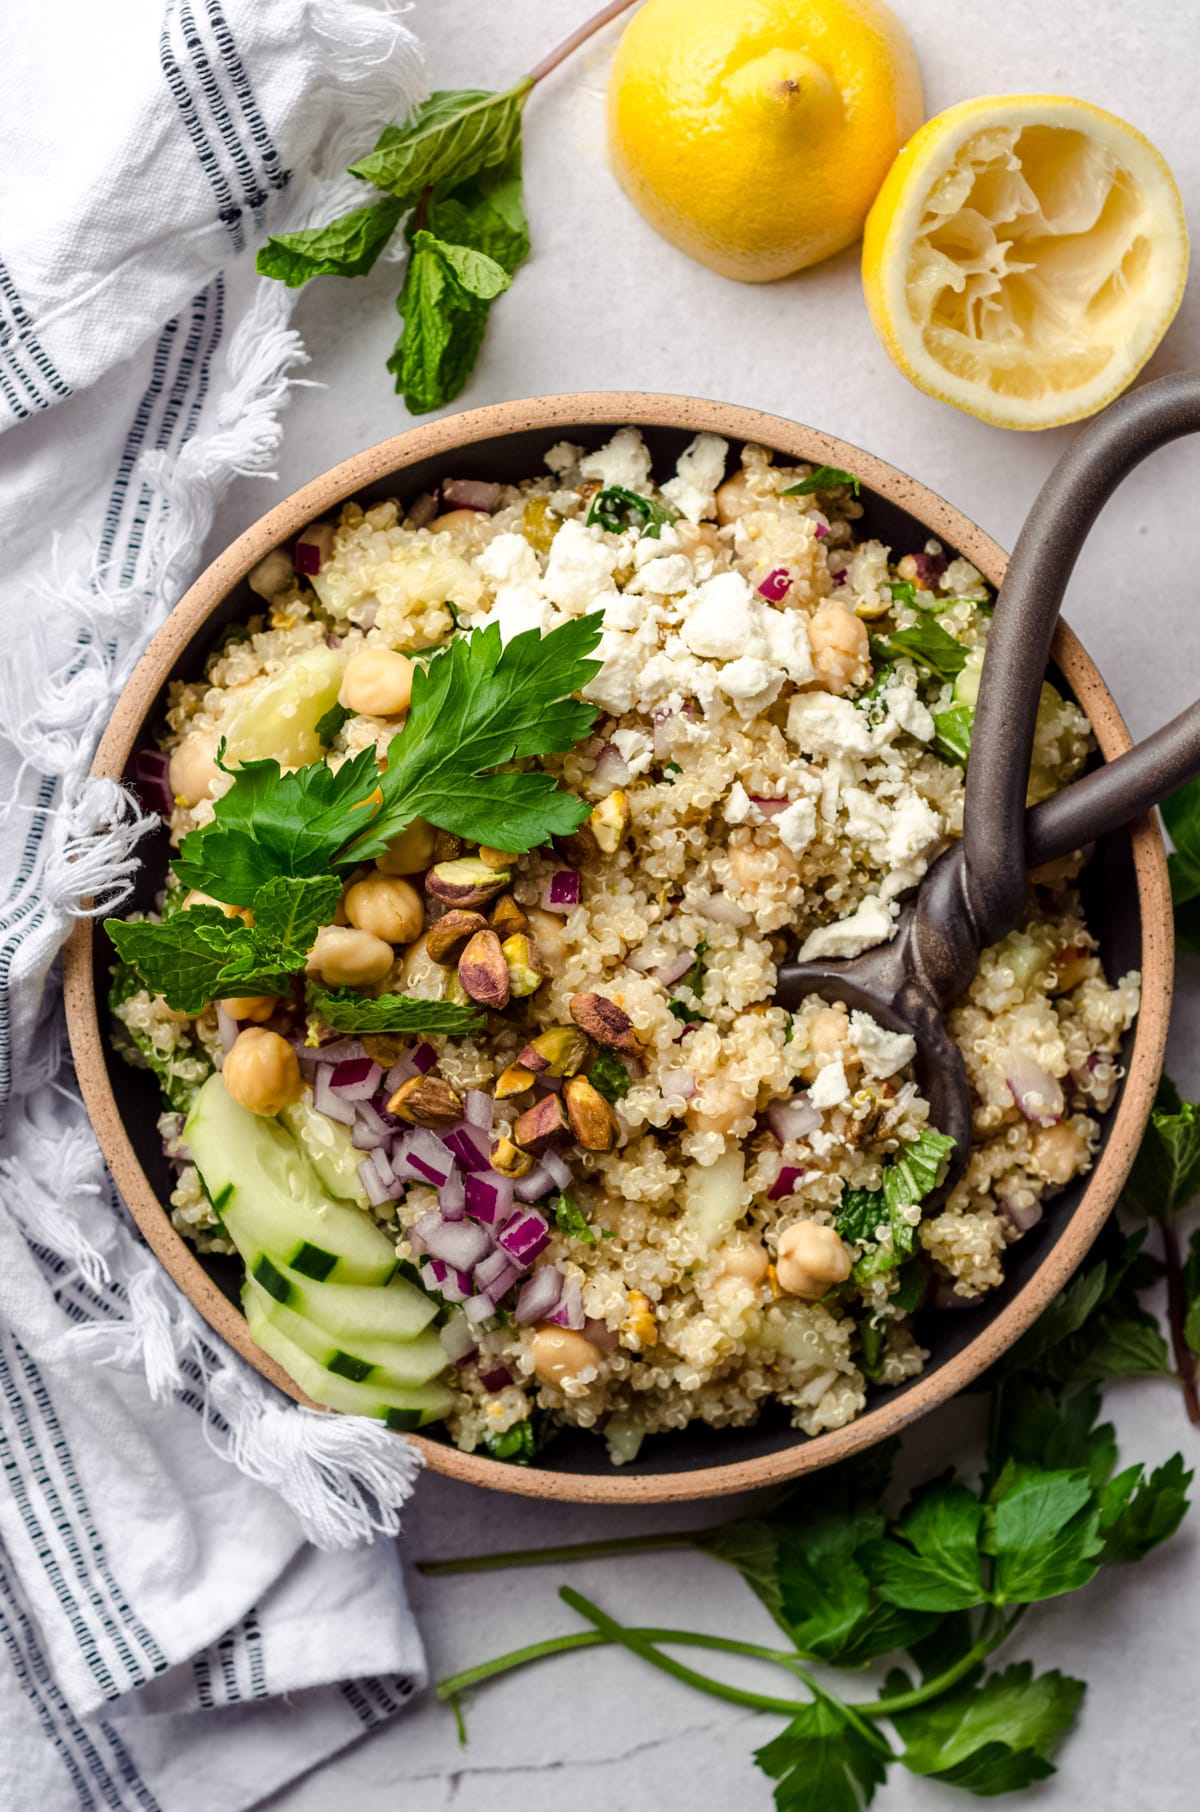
pixel 604 304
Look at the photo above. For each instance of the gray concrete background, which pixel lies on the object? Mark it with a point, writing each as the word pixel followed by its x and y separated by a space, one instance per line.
pixel 604 304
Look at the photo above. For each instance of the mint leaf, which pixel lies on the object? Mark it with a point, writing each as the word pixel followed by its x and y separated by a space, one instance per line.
pixel 444 325
pixel 1181 815
pixel 347 247
pixel 454 134
pixel 347 1011
pixel 952 732
pixel 907 1180
pixel 1191 1293
pixel 478 274
pixel 929 645
pixel 693 981
pixel 477 704
pixel 571 1220
pixel 487 211
pixel 931 1560
pixel 292 911
pixel 199 955
pixel 824 478
pixel 1166 1171
pixel 1138 1513
pixel 518 1444
pixel 181 1071
pixel 915 1169
pixel 609 1077
pixel 1043 1529
pixel 614 506
pixel 822 1761
pixel 329 725
pixel 992 1737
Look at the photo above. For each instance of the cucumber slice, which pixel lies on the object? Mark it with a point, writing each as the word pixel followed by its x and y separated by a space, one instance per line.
pixel 271 1200
pixel 279 720
pixel 326 1145
pixel 391 1363
pixel 348 1314
pixel 401 1409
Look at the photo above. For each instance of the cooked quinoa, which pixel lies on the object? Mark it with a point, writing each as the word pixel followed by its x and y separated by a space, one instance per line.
pixel 771 778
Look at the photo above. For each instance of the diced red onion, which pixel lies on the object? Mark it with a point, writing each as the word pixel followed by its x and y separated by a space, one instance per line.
pixel 151 779
pixel 489 1198
pixel 839 577
pixel 324 1099
pixel 424 1058
pixel 479 1309
pixel 1021 1218
pixel 785 1182
pixel 776 586
pixel 479 1109
pixel 820 529
pixel 496 1377
pixel 1036 1092
pixel 561 892
pixel 429 1222
pixel 422 510
pixel 524 1235
pixel 930 567
pixel 770 807
pixel 452 1196
pixel 675 968
pixel 470 1145
pixel 370 1129
pixel 793 1119
pixel 558 1168
pixel 227 1027
pixel 677 1082
pixel 378 1191
pixel 569 1312
pixel 722 910
pixel 497 1273
pixel 536 1183
pixel 539 1295
pixel 339 1050
pixel 421 1155
pixel 458 1243
pixel 611 769
pixel 356 1079
pixel 455 1286
pixel 639 961
pixel 601 1335
pixel 368 614
pixel 458 1342
pixel 403 1070
pixel 313 548
pixel 472 494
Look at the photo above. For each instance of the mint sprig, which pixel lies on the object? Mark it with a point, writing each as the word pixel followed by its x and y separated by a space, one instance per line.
pixel 345 1010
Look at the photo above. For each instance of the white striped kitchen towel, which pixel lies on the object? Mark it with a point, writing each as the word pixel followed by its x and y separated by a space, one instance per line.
pixel 173 1635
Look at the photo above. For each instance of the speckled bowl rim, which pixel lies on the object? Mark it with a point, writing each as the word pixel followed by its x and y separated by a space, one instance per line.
pixel 442 438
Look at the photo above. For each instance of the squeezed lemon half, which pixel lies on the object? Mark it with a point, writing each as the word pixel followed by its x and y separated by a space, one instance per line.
pixel 1024 257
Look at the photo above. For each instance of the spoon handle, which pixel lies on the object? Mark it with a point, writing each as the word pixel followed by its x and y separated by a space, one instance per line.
pixel 994 821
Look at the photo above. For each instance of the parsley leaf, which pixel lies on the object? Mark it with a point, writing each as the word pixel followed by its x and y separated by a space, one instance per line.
pixel 613 507
pixel 903 591
pixel 1191 1294
pixel 345 1010
pixel 609 1077
pixel 346 247
pixel 824 478
pixel 929 645
pixel 822 1761
pixel 1138 1513
pixel 991 1737
pixel 199 956
pixel 1043 1530
pixel 1181 815
pixel 455 133
pixel 952 731
pixel 571 1220
pixel 931 1561
pixel 1166 1171
pixel 447 292
pixel 329 725
pixel 518 1444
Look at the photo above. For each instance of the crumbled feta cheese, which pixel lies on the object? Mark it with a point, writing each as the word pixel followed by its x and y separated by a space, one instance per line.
pixel 830 1088
pixel 518 608
pixel 722 624
pixel 667 574
pixel 648 547
pixel 914 828
pixel 737 804
pixel 636 748
pixel 907 712
pixel 624 460
pixel 578 574
pixel 820 724
pixel 751 684
pixel 787 642
pixel 509 560
pixel 797 826
pixel 871 924
pixel 699 471
pixel 882 1052
pixel 563 457
pixel 613 687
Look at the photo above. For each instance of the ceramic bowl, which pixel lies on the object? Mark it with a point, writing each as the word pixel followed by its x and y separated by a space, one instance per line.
pixel 1125 888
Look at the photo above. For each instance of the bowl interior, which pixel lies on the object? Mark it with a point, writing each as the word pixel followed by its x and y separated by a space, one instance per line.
pixel 1111 896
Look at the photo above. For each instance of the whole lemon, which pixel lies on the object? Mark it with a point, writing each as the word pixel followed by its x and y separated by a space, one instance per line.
pixel 754 134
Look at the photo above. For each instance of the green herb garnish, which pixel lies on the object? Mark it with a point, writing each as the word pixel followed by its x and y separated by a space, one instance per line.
pixel 824 478
pixel 1181 815
pixel 903 591
pixel 928 644
pixel 609 1077
pixel 693 981
pixel 907 1180
pixel 952 732
pixel 180 1072
pixel 571 1220
pixel 614 507
pixel 333 720
pixel 518 1444
pixel 345 1010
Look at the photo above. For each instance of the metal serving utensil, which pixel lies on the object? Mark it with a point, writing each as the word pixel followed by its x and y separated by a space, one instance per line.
pixel 976 892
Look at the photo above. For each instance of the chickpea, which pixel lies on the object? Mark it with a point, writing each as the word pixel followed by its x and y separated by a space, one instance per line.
pixel 745 1261
pixel 257 1007
pixel 411 853
pixel 454 522
pixel 387 907
pixel 720 1107
pixel 828 1039
pixel 1059 1151
pixel 174 1014
pixel 193 766
pixel 349 959
pixel 735 498
pixel 377 682
pixel 696 535
pixel 194 897
pixel 546 929
pixel 761 867
pixel 261 1072
pixel 560 1353
pixel 810 1258
pixel 840 649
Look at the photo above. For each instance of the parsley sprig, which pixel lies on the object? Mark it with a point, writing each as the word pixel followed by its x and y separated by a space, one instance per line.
pixel 1181 815
pixel 939 1585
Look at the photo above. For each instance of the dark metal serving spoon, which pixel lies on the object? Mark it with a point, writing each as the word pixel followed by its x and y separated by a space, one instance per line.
pixel 976 892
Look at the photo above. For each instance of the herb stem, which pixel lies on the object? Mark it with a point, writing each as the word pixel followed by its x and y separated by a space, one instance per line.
pixel 1185 1359
pixel 595 1638
pixel 989 1640
pixel 579 36
pixel 537 1557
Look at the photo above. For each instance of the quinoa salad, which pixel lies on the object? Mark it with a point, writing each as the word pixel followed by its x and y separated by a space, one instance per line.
pixel 467 1042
